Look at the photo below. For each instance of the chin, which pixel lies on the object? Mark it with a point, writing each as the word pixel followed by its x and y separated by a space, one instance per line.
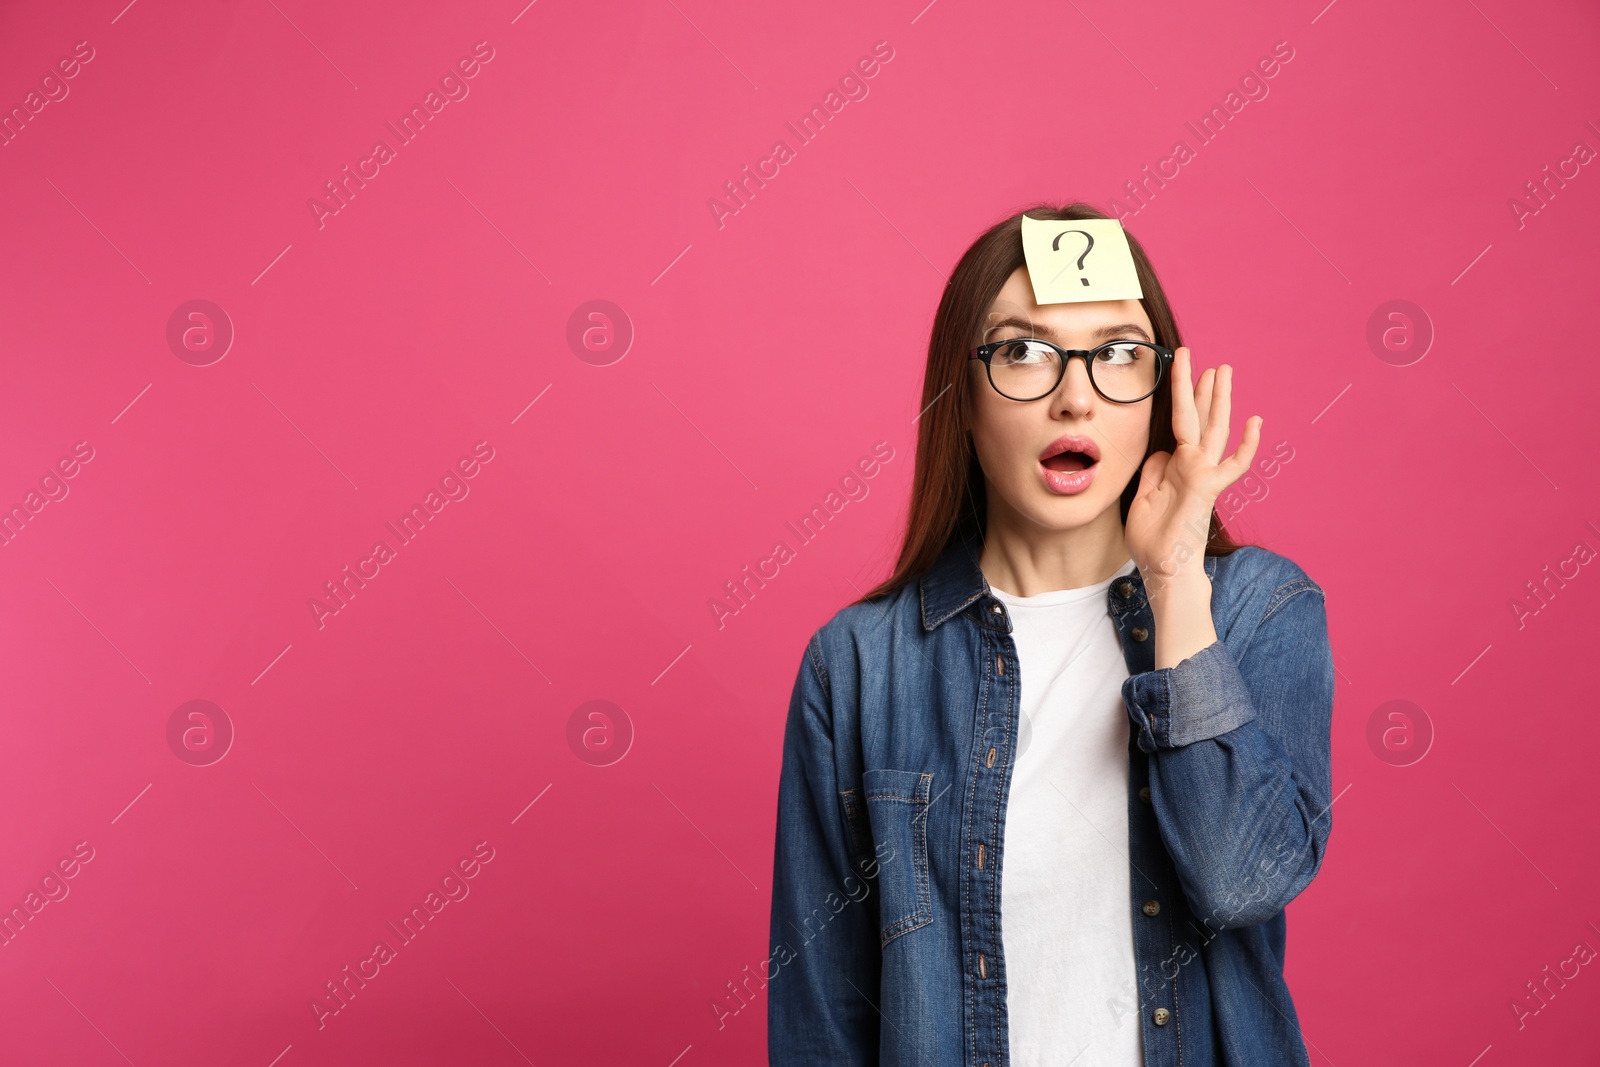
pixel 1066 513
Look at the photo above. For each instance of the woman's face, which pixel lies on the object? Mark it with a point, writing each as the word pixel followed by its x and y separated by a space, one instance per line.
pixel 1013 438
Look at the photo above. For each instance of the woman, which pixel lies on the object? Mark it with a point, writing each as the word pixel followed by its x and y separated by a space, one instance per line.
pixel 1074 677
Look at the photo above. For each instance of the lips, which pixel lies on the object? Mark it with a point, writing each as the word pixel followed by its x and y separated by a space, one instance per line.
pixel 1070 453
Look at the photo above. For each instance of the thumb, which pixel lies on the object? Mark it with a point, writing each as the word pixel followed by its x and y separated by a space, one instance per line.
pixel 1151 475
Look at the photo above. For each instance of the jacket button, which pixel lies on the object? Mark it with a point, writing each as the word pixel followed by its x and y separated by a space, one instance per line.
pixel 1144 793
pixel 995 609
pixel 1152 907
pixel 1161 1015
pixel 1140 633
pixel 1124 588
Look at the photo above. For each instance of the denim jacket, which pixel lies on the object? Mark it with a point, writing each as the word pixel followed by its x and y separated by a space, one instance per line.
pixel 897 756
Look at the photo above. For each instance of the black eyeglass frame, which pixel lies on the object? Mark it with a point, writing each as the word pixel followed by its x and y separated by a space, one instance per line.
pixel 1164 357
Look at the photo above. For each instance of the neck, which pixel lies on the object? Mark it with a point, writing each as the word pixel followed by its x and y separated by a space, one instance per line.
pixel 1025 559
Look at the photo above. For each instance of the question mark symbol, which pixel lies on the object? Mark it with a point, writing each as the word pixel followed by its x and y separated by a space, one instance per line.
pixel 1055 246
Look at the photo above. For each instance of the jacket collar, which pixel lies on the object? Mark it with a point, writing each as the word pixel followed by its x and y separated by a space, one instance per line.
pixel 956 581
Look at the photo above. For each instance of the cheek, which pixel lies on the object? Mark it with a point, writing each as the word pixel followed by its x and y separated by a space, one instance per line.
pixel 987 419
pixel 1131 433
pixel 1000 437
pixel 987 441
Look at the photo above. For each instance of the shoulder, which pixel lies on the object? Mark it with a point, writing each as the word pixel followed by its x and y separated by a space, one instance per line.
pixel 1261 597
pixel 857 632
pixel 1256 570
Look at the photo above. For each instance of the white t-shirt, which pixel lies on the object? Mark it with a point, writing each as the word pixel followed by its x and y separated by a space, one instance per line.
pixel 1066 918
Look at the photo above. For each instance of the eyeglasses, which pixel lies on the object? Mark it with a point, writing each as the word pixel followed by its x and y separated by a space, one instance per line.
pixel 1027 368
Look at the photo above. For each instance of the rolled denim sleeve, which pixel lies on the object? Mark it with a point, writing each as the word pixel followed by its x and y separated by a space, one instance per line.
pixel 1199 698
pixel 825 950
pixel 1239 748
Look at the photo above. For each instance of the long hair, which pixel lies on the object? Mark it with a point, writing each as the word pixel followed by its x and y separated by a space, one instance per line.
pixel 949 500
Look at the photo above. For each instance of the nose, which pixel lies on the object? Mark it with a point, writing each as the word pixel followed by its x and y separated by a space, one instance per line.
pixel 1074 393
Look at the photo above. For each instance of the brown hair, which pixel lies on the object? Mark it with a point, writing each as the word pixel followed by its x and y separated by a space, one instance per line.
pixel 948 495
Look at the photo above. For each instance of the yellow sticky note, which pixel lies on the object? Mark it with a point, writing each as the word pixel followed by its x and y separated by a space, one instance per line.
pixel 1079 259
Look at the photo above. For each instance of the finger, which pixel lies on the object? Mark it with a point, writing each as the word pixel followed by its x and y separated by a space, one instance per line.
pixel 1204 390
pixel 1185 420
pixel 1214 438
pixel 1245 454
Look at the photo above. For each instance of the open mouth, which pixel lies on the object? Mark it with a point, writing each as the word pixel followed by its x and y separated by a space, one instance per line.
pixel 1069 461
pixel 1069 453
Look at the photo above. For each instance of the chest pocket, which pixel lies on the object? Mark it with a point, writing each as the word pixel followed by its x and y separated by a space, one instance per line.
pixel 897 812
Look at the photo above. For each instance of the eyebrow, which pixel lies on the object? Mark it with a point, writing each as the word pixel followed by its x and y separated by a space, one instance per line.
pixel 1101 334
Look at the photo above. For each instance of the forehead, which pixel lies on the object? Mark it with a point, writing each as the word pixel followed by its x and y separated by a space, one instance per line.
pixel 1015 301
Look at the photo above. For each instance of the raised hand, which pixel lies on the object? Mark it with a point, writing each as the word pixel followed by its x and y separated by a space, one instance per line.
pixel 1170 515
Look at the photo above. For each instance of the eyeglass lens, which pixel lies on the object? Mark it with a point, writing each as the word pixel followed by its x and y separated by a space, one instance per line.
pixel 1027 369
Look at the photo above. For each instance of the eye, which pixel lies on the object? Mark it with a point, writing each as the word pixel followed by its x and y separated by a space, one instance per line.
pixel 1123 353
pixel 1024 352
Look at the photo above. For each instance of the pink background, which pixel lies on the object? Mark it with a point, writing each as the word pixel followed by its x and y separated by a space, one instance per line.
pixel 372 753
